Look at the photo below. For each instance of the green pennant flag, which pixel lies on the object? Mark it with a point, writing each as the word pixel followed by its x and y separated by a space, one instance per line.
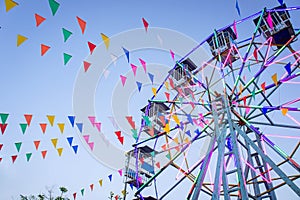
pixel 67 58
pixel 82 191
pixel 66 34
pixel 253 94
pixel 152 153
pixel 54 6
pixel 18 146
pixel 147 120
pixel 28 156
pixel 4 117
pixel 23 127
pixel 168 156
pixel 135 134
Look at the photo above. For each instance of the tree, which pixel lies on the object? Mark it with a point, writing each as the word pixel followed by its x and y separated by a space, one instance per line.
pixel 48 196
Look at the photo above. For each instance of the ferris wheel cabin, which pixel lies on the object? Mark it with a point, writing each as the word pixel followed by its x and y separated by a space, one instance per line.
pixel 155 111
pixel 145 168
pixel 276 24
pixel 222 43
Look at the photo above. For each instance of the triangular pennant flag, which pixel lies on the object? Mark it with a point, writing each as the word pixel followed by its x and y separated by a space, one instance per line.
pixel 134 133
pixel 51 119
pixel 67 58
pixel 288 68
pixel 131 186
pixel 43 127
pixel 168 156
pixel 106 73
pixel 18 146
pixel 44 153
pixel 20 39
pixel 86 65
pixel 54 142
pixel 274 78
pixel 255 54
pixel 37 144
pixel 91 47
pixel 143 64
pixel 14 157
pixel 133 69
pixel 59 151
pixel 121 139
pixel 120 172
pixel 249 67
pixel 263 87
pixel 66 34
pixel 82 191
pixel 176 140
pixel 28 119
pixel 54 6
pixel 126 53
pixel 44 49
pixel 1 145
pixel 118 133
pixel 75 148
pixel 270 21
pixel 247 110
pixel 72 120
pixel 70 140
pixel 123 79
pixel 154 90
pixel 105 40
pixel 3 117
pixel 81 23
pixel 86 138
pixel 171 83
pixel 38 19
pixel 91 145
pixel 167 96
pixel 237 7
pixel 130 121
pixel 3 128
pixel 92 187
pixel 234 29
pixel 167 85
pixel 147 120
pixel 280 1
pixel 23 127
pixel 114 58
pixel 139 85
pixel 197 132
pixel 264 110
pixel 74 196
pixel 28 156
pixel 167 128
pixel 188 133
pixel 172 54
pixel 0 159
pixel 146 24
pixel 79 126
pixel 98 126
pixel 189 118
pixel 110 177
pixel 177 121
pixel 61 127
pixel 157 165
pixel 284 111
pixel 151 77
pixel 100 182
pixel 9 4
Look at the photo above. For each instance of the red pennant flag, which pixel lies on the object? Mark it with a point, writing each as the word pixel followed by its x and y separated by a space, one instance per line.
pixel 157 165
pixel 263 87
pixel 171 83
pixel 91 47
pixel 1 145
pixel 14 158
pixel 44 153
pixel 44 49
pixel 121 139
pixel 81 23
pixel 118 133
pixel 167 96
pixel 146 24
pixel 92 187
pixel 39 19
pixel 37 144
pixel 0 159
pixel 86 65
pixel 43 127
pixel 3 127
pixel 74 195
pixel 28 119
pixel 255 54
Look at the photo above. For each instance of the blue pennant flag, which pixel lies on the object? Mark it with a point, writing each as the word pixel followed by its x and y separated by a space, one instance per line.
pixel 237 7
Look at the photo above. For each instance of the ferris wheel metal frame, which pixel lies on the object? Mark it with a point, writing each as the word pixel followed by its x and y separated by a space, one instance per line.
pixel 233 113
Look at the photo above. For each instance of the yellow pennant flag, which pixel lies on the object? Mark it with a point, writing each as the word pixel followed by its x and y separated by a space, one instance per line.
pixel 186 140
pixel 9 4
pixel 167 128
pixel 54 142
pixel 105 40
pixel 51 119
pixel 167 85
pixel 20 39
pixel 241 88
pixel 284 111
pixel 176 140
pixel 59 151
pixel 61 127
pixel 176 119
pixel 100 182
pixel 274 78
pixel 154 90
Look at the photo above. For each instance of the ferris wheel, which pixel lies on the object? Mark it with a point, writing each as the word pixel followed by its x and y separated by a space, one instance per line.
pixel 227 127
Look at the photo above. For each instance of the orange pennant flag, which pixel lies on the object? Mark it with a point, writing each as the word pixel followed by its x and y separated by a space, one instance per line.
pixel 105 40
pixel 39 19
pixel 37 144
pixel 81 23
pixel 43 127
pixel 284 111
pixel 28 119
pixel 44 49
pixel 274 78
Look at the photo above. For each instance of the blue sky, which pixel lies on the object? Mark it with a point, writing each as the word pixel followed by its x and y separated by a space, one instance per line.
pixel 43 85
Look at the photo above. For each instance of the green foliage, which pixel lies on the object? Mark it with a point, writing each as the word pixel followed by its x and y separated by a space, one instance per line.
pixel 48 196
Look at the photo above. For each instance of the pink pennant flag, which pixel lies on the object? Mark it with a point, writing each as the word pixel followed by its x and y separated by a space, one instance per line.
pixel 123 79
pixel 247 110
pixel 234 29
pixel 91 144
pixel 86 138
pixel 120 172
pixel 143 64
pixel 172 54
pixel 270 21
pixel 92 120
pixel 86 65
pixel 133 69
pixel 98 126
